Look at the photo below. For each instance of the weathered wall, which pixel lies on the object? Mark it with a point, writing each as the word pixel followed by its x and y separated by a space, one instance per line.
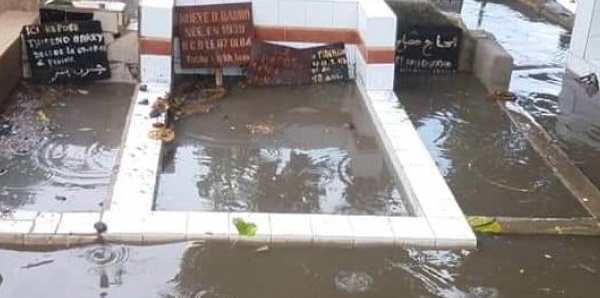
pixel 26 5
pixel 10 49
pixel 10 70
pixel 492 65
pixel 417 12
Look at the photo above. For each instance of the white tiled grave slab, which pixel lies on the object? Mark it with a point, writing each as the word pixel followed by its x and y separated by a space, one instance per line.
pixel 439 222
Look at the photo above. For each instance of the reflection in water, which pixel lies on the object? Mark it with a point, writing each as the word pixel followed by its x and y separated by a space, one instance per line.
pixel 502 267
pixel 578 127
pixel 486 160
pixel 321 157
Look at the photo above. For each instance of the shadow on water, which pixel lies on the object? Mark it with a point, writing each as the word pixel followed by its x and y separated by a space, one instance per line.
pixel 316 152
pixel 58 149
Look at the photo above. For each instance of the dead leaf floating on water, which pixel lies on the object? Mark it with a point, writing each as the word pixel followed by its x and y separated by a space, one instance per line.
pixel 504 96
pixel 162 134
pixel 213 93
pixel 261 129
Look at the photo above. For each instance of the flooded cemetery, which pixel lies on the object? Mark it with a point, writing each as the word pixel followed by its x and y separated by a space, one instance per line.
pixel 292 148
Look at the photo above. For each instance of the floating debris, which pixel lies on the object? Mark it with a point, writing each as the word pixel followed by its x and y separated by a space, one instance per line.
pixel 43 118
pixel 484 224
pixel 6 128
pixel 3 172
pixel 590 83
pixel 261 129
pixel 504 96
pixel 37 264
pixel 163 134
pixel 349 125
pixel 262 249
pixel 154 114
pixel 83 92
pixel 213 93
pixel 245 228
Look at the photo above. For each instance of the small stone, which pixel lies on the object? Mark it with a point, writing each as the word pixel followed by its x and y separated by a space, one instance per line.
pixel 60 198
pixel 3 172
pixel 154 113
pixel 100 227
pixel 225 117
pixel 547 256
pixel 232 128
pixel 521 271
pixel 143 87
pixel 144 102
pixel 349 125
pixel 101 204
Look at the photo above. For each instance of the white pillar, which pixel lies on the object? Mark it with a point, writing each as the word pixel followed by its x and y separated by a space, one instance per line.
pixel 156 41
pixel 585 42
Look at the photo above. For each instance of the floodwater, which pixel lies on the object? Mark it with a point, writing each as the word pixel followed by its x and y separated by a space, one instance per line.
pixel 59 144
pixel 300 149
pixel 490 166
pixel 553 98
pixel 504 267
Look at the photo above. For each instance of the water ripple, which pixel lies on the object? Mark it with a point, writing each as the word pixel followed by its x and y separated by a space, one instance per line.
pixel 353 281
pixel 107 255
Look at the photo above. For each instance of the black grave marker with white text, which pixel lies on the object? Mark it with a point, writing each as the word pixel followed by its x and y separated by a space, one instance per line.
pixel 66 51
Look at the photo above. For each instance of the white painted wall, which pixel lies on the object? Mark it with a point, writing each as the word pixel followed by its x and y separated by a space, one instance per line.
pixel 585 43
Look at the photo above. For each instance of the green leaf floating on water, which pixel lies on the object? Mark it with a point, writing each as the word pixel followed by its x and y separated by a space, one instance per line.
pixel 484 224
pixel 245 228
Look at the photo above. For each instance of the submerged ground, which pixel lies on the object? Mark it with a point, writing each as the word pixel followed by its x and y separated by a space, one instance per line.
pixel 58 145
pixel 291 150
pixel 504 266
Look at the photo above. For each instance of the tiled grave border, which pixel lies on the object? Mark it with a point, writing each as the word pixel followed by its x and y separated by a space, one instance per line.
pixel 439 222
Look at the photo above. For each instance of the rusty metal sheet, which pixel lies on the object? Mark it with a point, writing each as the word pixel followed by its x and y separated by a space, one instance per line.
pixel 215 35
pixel 277 65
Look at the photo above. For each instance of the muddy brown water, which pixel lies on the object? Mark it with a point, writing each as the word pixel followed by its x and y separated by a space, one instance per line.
pixel 546 92
pixel 487 162
pixel 504 267
pixel 69 167
pixel 291 149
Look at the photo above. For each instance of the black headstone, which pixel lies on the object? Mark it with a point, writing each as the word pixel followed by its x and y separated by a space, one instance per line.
pixel 431 49
pixel 66 51
pixel 329 63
